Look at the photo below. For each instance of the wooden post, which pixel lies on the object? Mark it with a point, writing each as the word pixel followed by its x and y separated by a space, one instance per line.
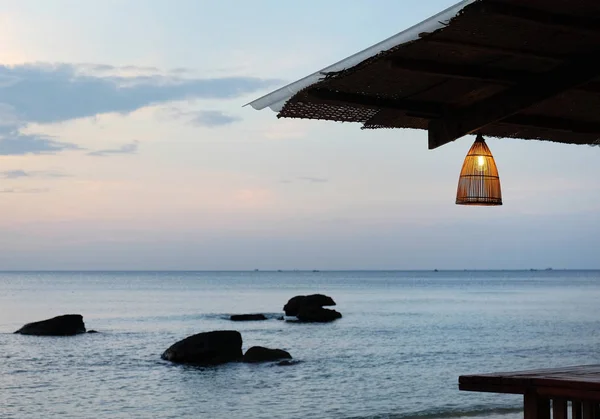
pixel 536 407
pixel 588 410
pixel 576 410
pixel 559 408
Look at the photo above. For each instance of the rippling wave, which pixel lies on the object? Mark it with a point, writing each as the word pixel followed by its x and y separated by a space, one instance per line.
pixel 397 352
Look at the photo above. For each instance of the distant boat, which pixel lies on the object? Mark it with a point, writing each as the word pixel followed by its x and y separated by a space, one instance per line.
pixel 315 270
pixel 435 270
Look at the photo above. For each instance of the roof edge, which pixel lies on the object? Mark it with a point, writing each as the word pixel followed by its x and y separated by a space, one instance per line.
pixel 276 99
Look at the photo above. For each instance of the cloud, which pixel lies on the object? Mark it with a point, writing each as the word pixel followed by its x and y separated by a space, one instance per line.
pixel 130 148
pixel 314 179
pixel 30 190
pixel 46 93
pixel 204 118
pixel 309 179
pixel 213 119
pixel 14 174
pixel 18 174
pixel 285 129
pixel 16 144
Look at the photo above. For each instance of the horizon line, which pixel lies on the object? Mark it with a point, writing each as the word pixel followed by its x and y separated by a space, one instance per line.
pixel 305 270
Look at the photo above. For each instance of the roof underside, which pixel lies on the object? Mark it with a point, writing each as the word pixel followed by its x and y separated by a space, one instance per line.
pixel 525 69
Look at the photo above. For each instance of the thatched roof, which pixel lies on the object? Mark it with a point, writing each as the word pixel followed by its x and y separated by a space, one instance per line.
pixel 525 69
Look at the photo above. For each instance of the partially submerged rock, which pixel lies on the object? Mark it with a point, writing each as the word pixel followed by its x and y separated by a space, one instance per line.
pixel 261 354
pixel 317 315
pixel 315 300
pixel 309 308
pixel 247 317
pixel 208 348
pixel 65 325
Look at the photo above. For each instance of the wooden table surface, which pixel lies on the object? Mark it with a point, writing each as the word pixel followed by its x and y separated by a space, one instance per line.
pixel 545 391
pixel 565 381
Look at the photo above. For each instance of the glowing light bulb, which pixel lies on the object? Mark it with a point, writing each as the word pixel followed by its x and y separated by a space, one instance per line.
pixel 480 162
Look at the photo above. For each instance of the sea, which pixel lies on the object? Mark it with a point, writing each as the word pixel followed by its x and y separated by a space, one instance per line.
pixel 397 352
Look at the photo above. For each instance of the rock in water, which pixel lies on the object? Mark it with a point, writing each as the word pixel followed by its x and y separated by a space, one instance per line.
pixel 315 300
pixel 247 317
pixel 208 348
pixel 317 315
pixel 261 354
pixel 65 325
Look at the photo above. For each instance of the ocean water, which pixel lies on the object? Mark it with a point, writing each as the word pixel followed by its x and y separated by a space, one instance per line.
pixel 397 353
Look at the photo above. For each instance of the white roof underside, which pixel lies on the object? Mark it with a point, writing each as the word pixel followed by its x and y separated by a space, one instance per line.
pixel 276 99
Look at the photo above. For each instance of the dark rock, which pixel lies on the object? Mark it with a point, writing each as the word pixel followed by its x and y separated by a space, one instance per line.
pixel 315 300
pixel 261 354
pixel 209 348
pixel 65 325
pixel 92 331
pixel 317 315
pixel 280 318
pixel 286 363
pixel 247 317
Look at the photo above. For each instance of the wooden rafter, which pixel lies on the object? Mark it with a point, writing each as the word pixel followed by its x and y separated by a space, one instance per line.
pixel 553 123
pixel 473 72
pixel 435 110
pixel 458 122
pixel 576 24
pixel 460 71
pixel 473 46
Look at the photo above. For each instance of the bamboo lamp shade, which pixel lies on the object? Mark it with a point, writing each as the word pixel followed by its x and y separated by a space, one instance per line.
pixel 479 183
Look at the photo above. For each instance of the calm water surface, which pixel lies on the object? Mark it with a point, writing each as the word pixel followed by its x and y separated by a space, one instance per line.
pixel 397 353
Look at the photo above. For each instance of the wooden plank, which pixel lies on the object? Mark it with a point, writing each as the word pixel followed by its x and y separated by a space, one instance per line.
pixel 535 407
pixel 559 408
pixel 493 49
pixel 483 73
pixel 576 412
pixel 569 393
pixel 547 391
pixel 577 24
pixel 587 409
pixel 459 122
pixel 553 123
pixel 490 388
pixel 429 110
pixel 461 71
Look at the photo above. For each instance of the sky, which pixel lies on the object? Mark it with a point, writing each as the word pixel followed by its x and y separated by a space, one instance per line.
pixel 125 145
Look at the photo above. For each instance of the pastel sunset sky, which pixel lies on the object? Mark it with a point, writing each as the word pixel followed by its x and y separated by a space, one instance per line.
pixel 124 144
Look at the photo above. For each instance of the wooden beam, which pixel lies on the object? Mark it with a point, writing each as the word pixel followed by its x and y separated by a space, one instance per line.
pixel 458 122
pixel 473 72
pixel 569 23
pixel 535 407
pixel 495 49
pixel 429 110
pixel 553 123
pixel 559 408
pixel 460 71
